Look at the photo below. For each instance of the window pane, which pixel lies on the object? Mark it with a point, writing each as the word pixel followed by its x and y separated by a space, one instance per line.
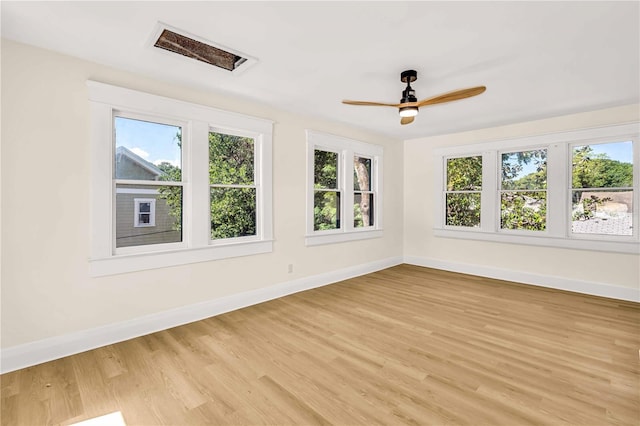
pixel 607 165
pixel 230 159
pixel 362 210
pixel 524 210
pixel 233 212
pixel 361 174
pixel 326 210
pixel 147 151
pixel 464 174
pixel 145 207
pixel 168 215
pixel 325 169
pixel 463 209
pixel 524 169
pixel 602 212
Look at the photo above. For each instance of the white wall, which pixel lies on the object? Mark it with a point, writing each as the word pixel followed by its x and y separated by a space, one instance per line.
pixel 46 288
pixel 517 262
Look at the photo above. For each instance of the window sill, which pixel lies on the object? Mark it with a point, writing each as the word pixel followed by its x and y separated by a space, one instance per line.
pixel 329 237
pixel 120 264
pixel 629 246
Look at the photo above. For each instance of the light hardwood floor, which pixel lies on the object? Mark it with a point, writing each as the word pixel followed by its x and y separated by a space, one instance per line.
pixel 406 345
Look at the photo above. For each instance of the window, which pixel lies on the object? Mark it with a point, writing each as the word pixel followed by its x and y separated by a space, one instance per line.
pixel 363 194
pixel 344 195
pixel 463 190
pixel 232 186
pixel 574 189
pixel 523 190
pixel 145 212
pixel 602 188
pixel 326 195
pixel 174 182
pixel 147 151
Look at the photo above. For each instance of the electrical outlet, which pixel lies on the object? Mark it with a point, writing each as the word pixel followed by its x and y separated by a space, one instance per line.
pixel 290 268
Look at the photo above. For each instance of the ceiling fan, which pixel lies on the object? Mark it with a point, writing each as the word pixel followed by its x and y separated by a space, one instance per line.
pixel 409 105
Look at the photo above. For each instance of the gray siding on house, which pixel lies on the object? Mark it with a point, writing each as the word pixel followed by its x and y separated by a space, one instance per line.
pixel 128 235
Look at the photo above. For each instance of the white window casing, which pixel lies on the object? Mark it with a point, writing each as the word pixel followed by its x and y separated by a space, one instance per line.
pixel 559 171
pixel 105 101
pixel 347 149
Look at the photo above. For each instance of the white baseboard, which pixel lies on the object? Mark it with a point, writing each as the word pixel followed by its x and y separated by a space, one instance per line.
pixel 578 286
pixel 40 351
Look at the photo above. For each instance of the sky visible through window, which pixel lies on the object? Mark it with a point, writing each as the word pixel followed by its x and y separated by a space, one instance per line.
pixel 154 142
pixel 619 151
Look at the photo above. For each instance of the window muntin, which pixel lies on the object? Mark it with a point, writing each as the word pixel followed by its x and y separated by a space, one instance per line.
pixel 463 191
pixel 147 151
pixel 327 193
pixel 232 186
pixel 363 194
pixel 523 190
pixel 602 188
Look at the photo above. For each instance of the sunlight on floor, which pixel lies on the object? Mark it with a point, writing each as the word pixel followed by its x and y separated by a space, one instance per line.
pixel 111 419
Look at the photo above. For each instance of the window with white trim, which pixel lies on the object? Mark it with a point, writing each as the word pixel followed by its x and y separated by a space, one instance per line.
pixel 573 189
pixel 344 196
pixel 175 182
pixel 144 212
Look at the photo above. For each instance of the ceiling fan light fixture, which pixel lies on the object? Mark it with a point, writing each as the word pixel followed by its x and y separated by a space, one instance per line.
pixel 408 111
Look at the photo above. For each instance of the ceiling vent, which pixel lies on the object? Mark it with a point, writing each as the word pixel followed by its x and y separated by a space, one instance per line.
pixel 176 41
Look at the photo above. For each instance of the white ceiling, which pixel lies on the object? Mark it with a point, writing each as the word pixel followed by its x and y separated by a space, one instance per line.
pixel 537 59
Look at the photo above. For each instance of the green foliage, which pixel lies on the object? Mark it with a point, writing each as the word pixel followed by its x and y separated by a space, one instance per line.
pixel 464 174
pixel 325 169
pixel 326 204
pixel 513 164
pixel 231 162
pixel 592 170
pixel 326 210
pixel 523 210
pixel 463 209
pixel 172 194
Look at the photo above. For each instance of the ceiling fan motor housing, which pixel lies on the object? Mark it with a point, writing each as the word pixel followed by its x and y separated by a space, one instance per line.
pixel 408 94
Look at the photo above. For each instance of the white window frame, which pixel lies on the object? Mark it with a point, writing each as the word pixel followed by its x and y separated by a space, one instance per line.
pixel 257 155
pixel 106 100
pixel 501 190
pixel 347 149
pixel 558 229
pixel 151 213
pixel 445 192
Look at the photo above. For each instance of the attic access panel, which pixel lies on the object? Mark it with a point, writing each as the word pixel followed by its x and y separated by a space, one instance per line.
pixel 176 41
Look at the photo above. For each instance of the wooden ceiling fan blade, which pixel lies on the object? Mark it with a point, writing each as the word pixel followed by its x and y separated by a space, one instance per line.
pixel 453 96
pixel 406 120
pixel 366 103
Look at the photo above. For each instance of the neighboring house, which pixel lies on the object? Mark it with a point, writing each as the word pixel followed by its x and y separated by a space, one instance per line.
pixel 142 214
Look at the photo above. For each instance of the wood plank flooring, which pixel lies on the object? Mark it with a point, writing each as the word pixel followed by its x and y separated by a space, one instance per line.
pixel 406 345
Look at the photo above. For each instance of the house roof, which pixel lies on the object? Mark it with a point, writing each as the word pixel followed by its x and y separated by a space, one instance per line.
pixel 150 167
pixel 537 59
